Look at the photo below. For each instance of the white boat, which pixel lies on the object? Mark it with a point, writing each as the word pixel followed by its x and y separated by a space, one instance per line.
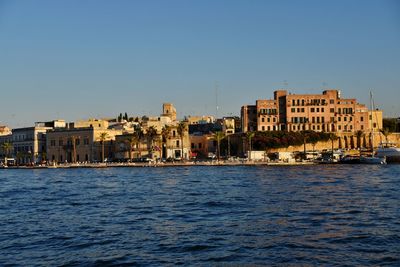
pixel 372 159
pixel 389 151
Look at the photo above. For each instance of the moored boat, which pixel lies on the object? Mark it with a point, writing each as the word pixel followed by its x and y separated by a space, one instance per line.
pixel 390 151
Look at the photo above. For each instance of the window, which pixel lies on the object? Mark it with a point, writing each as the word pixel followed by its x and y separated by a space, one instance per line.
pixel 77 142
pixel 374 124
pixel 298 109
pixel 177 143
pixel 274 119
pixel 200 145
pixel 317 109
pixel 323 119
pixel 322 110
pixel 340 127
pixel 262 128
pixel 362 119
pixel 293 110
pixel 53 142
pixel 192 145
pixel 331 101
pixel 268 120
pixel 339 118
pixel 332 110
pixel 293 102
pixel 60 143
pixel 262 119
pixel 312 110
pixel 86 141
pixel 345 118
pixel 313 119
pixel 317 119
pixel 302 109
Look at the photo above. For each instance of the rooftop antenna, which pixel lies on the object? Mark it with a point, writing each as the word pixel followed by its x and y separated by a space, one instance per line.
pixel 216 99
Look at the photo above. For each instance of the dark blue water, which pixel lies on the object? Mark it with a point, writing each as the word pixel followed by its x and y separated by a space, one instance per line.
pixel 313 215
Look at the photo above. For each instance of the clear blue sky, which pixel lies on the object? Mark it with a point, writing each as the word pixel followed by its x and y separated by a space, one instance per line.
pixel 78 59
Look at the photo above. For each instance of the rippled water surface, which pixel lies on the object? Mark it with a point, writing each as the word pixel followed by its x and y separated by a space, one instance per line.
pixel 313 215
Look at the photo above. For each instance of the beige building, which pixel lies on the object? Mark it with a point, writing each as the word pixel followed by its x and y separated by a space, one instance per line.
pixel 200 119
pixel 327 112
pixel 159 147
pixel 30 142
pixel 79 143
pixel 169 111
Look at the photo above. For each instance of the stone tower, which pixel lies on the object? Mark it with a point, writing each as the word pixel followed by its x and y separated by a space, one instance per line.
pixel 169 111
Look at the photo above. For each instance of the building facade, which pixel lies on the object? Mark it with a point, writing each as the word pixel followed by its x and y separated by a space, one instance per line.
pixel 327 112
pixel 88 141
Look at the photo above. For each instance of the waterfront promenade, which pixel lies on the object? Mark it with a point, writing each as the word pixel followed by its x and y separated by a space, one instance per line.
pixel 163 164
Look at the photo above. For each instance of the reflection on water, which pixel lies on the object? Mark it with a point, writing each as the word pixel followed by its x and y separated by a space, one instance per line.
pixel 315 215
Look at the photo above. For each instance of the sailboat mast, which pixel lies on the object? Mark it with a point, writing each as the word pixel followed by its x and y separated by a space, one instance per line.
pixel 370 121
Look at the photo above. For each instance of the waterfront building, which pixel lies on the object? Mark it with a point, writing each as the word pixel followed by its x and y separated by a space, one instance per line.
pixel 29 143
pixel 164 142
pixel 81 141
pixel 327 112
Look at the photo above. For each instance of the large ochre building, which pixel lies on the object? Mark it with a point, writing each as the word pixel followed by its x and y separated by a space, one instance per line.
pixel 327 112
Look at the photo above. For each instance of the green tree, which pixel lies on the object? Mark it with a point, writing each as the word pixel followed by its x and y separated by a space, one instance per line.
pixel 130 141
pixel 182 129
pixel 103 137
pixel 332 137
pixel 138 135
pixel 151 135
pixel 218 136
pixel 6 147
pixel 165 133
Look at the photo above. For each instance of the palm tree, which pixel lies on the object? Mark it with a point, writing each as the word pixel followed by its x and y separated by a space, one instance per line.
pixel 138 135
pixel 6 148
pixel 182 128
pixel 131 141
pixel 359 136
pixel 218 136
pixel 305 137
pixel 73 139
pixel 385 132
pixel 249 136
pixel 165 133
pixel 103 137
pixel 151 135
pixel 332 137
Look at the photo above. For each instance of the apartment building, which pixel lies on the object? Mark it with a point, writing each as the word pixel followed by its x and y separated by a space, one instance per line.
pixel 327 112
